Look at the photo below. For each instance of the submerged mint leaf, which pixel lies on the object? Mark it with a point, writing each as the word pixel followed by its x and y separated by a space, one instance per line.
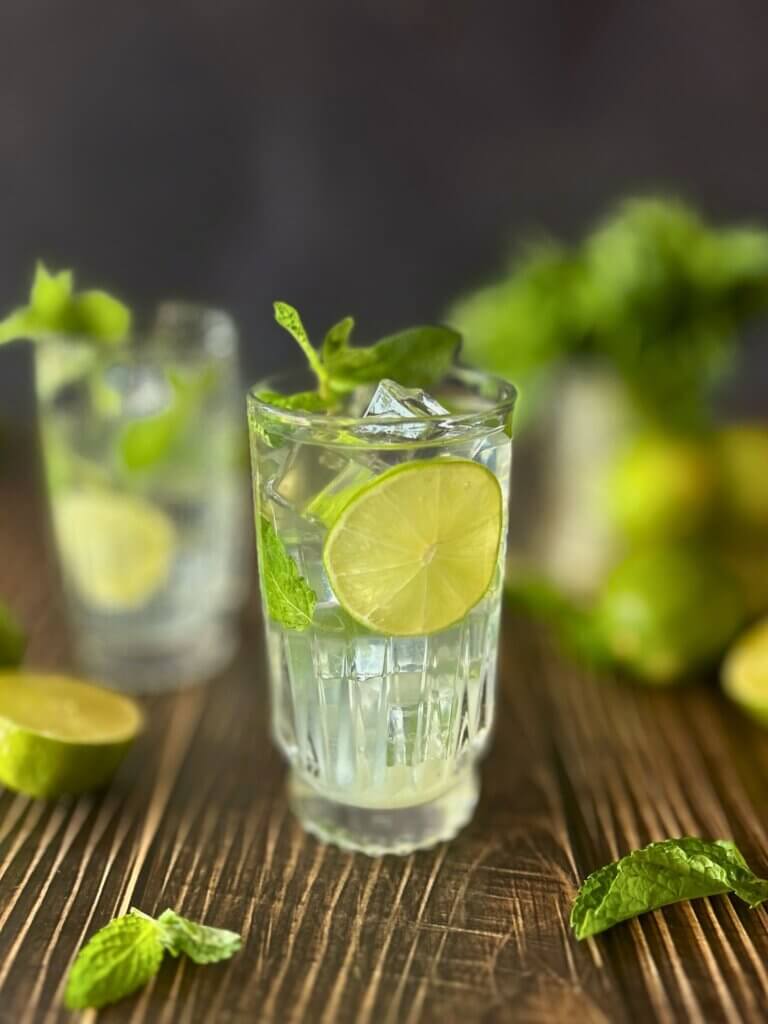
pixel 55 309
pixel 201 943
pixel 12 639
pixel 659 874
pixel 416 357
pixel 289 318
pixel 116 961
pixel 145 443
pixel 289 598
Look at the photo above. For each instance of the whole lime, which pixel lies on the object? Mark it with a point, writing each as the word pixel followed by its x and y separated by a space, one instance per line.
pixel 667 611
pixel 742 452
pixel 663 486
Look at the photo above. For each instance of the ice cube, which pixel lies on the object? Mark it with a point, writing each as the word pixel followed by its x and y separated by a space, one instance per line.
pixel 140 390
pixel 393 400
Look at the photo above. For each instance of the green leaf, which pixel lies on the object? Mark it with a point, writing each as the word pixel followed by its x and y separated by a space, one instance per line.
pixel 12 639
pixel 336 338
pixel 148 442
pixel 201 943
pixel 289 598
pixel 305 401
pixel 117 960
pixel 54 309
pixel 659 874
pixel 289 318
pixel 416 357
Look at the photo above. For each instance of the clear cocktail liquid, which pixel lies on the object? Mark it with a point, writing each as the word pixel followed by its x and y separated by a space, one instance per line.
pixel 381 731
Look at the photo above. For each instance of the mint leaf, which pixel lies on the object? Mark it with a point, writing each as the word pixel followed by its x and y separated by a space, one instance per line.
pixel 416 357
pixel 12 639
pixel 146 442
pixel 116 961
pixel 201 943
pixel 127 953
pixel 55 309
pixel 289 598
pixel 289 318
pixel 336 338
pixel 659 874
pixel 305 401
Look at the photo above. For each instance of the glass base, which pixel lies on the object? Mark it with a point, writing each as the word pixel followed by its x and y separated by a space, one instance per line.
pixel 152 670
pixel 377 831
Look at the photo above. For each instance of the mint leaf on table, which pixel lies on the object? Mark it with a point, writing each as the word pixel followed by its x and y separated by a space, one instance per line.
pixel 659 874
pixel 127 953
pixel 415 357
pixel 116 961
pixel 55 309
pixel 290 599
pixel 201 943
pixel 12 639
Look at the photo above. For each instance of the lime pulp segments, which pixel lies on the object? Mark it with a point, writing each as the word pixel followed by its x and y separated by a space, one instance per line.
pixel 415 549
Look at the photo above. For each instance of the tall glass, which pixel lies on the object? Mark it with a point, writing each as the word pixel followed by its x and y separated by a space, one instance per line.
pixel 143 452
pixel 382 732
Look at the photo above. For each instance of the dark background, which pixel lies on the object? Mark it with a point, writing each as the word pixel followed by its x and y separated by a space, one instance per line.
pixel 365 157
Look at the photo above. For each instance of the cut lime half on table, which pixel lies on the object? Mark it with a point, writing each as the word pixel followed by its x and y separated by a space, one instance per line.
pixel 745 672
pixel 416 548
pixel 59 735
pixel 117 548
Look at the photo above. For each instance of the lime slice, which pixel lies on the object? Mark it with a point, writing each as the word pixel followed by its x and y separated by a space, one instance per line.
pixel 417 547
pixel 745 671
pixel 58 735
pixel 117 548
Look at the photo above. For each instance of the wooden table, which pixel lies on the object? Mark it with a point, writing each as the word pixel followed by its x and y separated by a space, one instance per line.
pixel 581 770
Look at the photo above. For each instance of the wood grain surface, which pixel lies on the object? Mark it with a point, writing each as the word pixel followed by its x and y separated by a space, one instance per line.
pixel 581 770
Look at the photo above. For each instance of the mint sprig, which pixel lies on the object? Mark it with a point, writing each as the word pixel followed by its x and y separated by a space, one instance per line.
pixel 55 310
pixel 659 874
pixel 416 357
pixel 289 598
pixel 127 953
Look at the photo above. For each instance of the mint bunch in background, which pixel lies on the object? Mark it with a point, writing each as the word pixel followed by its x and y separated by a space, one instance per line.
pixel 654 292
pixel 56 310
pixel 651 517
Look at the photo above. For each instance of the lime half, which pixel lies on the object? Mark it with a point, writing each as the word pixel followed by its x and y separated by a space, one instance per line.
pixel 58 735
pixel 117 548
pixel 417 548
pixel 745 671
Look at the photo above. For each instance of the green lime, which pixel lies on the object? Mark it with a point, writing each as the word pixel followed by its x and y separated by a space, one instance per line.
pixel 666 611
pixel 59 735
pixel 116 548
pixel 662 487
pixel 416 548
pixel 743 461
pixel 328 504
pixel 745 671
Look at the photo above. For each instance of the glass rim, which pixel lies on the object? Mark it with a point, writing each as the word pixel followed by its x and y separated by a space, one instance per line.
pixel 503 406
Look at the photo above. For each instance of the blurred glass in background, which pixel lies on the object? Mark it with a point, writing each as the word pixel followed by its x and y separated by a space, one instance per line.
pixel 144 454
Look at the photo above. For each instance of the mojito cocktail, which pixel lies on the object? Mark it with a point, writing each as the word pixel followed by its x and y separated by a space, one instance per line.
pixel 141 447
pixel 381 527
